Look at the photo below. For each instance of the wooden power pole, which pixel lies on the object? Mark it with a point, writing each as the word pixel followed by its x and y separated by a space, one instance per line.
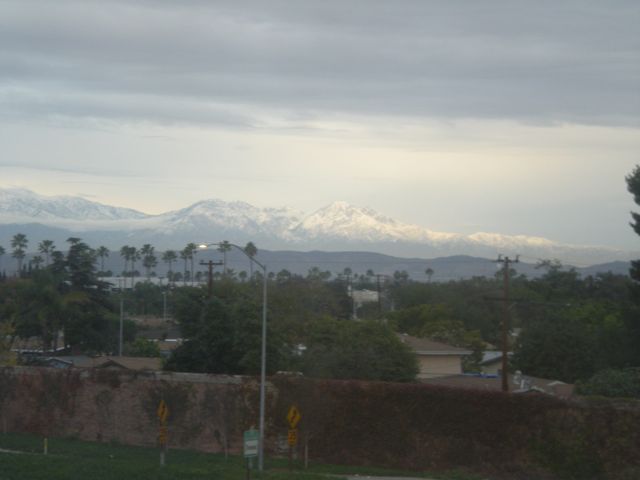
pixel 210 264
pixel 505 320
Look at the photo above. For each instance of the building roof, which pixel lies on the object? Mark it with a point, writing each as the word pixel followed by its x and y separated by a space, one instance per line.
pixel 131 363
pixel 125 363
pixel 518 383
pixel 425 346
pixel 491 356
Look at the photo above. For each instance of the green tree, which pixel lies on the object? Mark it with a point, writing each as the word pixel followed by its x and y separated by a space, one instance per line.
pixel 134 256
pixel 149 259
pixel 251 250
pixel 365 350
pixel 169 257
pixel 623 383
pixel 429 273
pixel 19 244
pixel 46 247
pixel 184 256
pixel 223 335
pixel 37 261
pixel 142 347
pixel 633 185
pixel 102 252
pixel 559 348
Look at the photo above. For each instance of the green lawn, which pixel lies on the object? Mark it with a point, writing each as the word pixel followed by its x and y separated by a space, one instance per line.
pixel 70 459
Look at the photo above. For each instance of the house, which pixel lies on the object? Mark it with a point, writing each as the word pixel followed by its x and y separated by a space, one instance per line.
pixel 491 363
pixel 435 359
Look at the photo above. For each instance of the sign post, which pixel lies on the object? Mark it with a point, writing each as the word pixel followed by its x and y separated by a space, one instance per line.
pixel 163 435
pixel 293 417
pixel 250 441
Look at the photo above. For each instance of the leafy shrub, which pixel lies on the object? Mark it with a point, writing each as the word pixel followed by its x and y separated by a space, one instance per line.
pixel 613 383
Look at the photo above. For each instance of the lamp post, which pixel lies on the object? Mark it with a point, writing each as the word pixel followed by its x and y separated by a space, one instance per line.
pixel 263 363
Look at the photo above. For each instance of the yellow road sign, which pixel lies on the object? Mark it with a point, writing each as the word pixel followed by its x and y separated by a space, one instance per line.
pixel 294 416
pixel 292 437
pixel 163 412
pixel 163 435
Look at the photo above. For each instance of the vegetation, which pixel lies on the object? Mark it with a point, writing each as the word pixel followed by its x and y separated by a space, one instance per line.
pixel 71 459
pixel 570 327
pixel 624 383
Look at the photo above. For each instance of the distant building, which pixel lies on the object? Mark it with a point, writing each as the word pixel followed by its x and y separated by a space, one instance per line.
pixel 435 359
pixel 491 363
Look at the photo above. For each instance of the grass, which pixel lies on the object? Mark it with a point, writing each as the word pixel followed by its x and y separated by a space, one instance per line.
pixel 71 459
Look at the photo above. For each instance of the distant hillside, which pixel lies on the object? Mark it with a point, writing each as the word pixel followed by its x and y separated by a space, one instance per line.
pixel 445 268
pixel 337 227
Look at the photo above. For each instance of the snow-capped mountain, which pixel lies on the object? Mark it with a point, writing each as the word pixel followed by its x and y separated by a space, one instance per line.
pixel 18 204
pixel 338 226
pixel 341 220
pixel 239 216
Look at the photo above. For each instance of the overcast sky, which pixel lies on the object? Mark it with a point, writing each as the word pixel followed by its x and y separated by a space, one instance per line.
pixel 517 117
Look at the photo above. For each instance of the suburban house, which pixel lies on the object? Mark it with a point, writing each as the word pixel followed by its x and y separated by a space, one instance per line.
pixel 435 359
pixel 491 363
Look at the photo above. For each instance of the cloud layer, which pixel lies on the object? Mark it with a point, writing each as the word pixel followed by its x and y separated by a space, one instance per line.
pixel 242 64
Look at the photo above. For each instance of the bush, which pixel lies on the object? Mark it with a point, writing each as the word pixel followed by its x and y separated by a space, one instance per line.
pixel 613 383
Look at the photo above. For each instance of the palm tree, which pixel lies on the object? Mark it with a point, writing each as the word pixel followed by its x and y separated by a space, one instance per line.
pixel 429 272
pixel 102 253
pixel 19 244
pixel 169 257
pixel 149 260
pixel 124 253
pixel 224 247
pixel 134 255
pixel 36 261
pixel 192 251
pixel 184 255
pixel 46 247
pixel 251 250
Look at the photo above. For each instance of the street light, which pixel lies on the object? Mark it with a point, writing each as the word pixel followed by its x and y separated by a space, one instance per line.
pixel 263 364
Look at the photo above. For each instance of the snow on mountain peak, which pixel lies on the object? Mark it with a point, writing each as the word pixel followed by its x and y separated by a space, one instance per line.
pixel 337 224
pixel 19 204
pixel 231 216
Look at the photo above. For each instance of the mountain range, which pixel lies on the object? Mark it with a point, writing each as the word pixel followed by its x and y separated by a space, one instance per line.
pixel 336 227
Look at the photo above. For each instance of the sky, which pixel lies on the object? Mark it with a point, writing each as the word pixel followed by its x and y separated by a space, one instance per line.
pixel 514 117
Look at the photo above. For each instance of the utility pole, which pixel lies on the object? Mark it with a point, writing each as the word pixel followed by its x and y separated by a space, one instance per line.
pixel 505 321
pixel 210 264
pixel 121 317
pixel 164 305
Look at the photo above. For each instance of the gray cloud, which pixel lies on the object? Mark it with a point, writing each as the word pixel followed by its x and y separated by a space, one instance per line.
pixel 223 63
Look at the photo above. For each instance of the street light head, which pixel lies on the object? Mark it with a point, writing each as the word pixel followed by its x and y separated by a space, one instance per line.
pixel 203 246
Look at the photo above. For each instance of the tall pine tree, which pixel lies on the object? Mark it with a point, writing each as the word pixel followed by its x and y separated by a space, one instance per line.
pixel 633 185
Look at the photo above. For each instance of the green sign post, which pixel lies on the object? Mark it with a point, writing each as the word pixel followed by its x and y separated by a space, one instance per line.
pixel 251 440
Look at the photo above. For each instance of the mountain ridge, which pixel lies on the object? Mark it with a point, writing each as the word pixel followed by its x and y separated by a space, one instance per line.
pixel 337 226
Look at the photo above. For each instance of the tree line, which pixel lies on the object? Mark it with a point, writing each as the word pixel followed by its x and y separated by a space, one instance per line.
pixel 564 326
pixel 131 255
